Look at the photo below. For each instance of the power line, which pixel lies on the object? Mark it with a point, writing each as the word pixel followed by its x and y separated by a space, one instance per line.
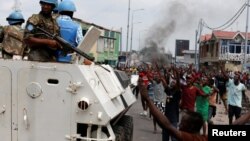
pixel 230 21
pixel 233 21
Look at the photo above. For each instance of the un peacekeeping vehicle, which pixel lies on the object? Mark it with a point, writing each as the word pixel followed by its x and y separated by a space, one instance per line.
pixel 51 101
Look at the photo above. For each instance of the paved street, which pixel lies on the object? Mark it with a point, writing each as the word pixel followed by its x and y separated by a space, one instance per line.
pixel 143 126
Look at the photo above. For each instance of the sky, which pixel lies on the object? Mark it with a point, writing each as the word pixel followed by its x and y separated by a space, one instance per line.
pixel 161 21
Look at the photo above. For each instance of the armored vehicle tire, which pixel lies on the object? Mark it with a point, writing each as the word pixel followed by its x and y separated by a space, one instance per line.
pixel 127 123
pixel 119 133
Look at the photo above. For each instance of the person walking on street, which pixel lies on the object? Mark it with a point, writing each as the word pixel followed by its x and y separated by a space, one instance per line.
pixel 173 95
pixel 202 102
pixel 143 83
pixel 159 97
pixel 189 94
pixel 212 101
pixel 235 91
pixel 221 85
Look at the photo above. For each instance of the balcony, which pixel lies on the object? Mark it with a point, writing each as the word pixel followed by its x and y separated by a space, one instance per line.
pixel 233 56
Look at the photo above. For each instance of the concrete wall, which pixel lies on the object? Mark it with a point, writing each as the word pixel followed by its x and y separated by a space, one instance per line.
pixel 233 67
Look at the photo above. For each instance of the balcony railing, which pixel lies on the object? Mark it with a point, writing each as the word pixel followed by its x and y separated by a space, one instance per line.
pixel 233 56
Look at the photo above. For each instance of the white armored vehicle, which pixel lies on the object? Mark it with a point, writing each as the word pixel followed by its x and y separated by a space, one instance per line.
pixel 63 102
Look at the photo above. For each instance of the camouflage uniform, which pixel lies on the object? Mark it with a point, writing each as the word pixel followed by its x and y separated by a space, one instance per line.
pixel 41 52
pixel 55 15
pixel 12 41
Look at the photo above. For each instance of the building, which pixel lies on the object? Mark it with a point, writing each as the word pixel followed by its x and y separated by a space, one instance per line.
pixel 107 47
pixel 170 57
pixel 187 58
pixel 181 45
pixel 224 46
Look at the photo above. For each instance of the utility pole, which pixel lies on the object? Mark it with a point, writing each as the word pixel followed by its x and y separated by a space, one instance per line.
pixel 246 38
pixel 196 58
pixel 139 41
pixel 121 42
pixel 128 28
pixel 131 40
pixel 132 28
pixel 197 37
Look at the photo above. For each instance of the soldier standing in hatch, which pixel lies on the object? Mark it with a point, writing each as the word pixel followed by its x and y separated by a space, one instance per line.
pixel 69 29
pixel 11 37
pixel 42 48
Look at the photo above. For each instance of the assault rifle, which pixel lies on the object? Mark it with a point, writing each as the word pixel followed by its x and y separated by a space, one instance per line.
pixel 66 45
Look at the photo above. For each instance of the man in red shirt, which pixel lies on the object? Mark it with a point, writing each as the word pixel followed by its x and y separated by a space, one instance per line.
pixel 189 94
pixel 143 83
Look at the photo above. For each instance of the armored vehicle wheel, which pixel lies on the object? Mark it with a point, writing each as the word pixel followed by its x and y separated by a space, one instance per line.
pixel 127 123
pixel 119 133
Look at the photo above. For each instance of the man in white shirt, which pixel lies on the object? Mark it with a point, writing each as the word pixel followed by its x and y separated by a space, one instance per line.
pixel 235 91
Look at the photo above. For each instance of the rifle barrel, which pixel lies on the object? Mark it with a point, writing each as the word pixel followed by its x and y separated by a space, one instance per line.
pixel 66 44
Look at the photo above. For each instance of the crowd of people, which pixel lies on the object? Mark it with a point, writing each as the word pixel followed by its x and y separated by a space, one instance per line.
pixel 182 93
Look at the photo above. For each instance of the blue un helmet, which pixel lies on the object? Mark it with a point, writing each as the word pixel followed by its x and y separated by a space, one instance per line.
pixel 15 17
pixel 53 2
pixel 67 5
pixel 55 10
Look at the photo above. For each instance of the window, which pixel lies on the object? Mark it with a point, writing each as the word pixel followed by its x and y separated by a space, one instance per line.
pixel 224 42
pixel 112 43
pixel 248 49
pixel 238 49
pixel 106 43
pixel 225 49
pixel 100 45
pixel 84 32
pixel 112 34
pixel 109 43
pixel 106 33
pixel 222 50
pixel 109 40
pixel 231 49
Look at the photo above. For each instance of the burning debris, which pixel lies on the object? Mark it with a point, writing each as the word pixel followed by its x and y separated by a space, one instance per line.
pixel 154 54
pixel 174 16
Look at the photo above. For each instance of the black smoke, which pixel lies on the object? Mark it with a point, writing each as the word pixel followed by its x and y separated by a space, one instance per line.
pixel 173 15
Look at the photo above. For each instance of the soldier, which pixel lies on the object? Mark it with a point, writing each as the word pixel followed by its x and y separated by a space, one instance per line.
pixel 11 36
pixel 42 48
pixel 69 30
